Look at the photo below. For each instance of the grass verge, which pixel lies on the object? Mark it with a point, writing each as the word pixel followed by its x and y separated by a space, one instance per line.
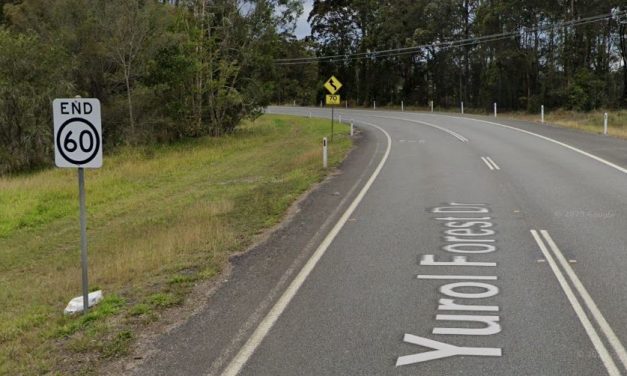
pixel 159 220
pixel 591 122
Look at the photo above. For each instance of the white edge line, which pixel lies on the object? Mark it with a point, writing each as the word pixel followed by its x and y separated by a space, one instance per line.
pixel 596 158
pixel 596 313
pixel 238 362
pixel 604 354
pixel 487 163
pixel 577 150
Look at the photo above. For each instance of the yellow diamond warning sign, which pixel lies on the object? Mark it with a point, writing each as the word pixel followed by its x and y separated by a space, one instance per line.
pixel 333 85
pixel 333 100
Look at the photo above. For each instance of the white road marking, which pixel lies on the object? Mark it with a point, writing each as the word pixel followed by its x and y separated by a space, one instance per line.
pixel 270 319
pixel 577 150
pixel 461 277
pixel 496 167
pixel 590 330
pixel 490 163
pixel 606 358
pixel 454 134
pixel 596 158
pixel 596 313
pixel 487 163
pixel 491 325
pixel 441 350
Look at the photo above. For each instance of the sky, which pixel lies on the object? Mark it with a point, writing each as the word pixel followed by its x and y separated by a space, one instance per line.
pixel 302 27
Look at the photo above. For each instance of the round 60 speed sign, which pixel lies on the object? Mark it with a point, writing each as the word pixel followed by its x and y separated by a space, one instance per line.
pixel 77 133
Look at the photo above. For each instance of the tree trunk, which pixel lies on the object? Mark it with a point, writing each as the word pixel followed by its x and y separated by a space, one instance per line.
pixel 623 49
pixel 129 96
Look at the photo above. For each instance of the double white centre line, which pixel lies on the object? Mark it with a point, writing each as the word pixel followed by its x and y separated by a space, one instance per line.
pixel 490 163
pixel 600 347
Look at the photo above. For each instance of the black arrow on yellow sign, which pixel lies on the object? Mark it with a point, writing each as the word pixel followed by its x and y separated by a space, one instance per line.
pixel 333 85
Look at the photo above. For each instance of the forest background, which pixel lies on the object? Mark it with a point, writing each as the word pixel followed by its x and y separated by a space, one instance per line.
pixel 167 70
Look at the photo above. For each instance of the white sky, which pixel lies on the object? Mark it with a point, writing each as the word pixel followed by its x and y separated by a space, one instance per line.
pixel 302 27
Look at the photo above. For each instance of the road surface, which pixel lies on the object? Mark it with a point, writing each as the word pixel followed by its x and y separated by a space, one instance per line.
pixel 446 245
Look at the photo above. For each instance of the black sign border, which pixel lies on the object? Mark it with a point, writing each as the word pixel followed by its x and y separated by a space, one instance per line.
pixel 60 145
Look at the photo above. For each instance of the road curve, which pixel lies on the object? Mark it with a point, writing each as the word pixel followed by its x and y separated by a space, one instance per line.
pixel 465 245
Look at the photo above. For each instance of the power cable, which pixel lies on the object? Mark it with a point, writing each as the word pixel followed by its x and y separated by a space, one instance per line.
pixel 445 44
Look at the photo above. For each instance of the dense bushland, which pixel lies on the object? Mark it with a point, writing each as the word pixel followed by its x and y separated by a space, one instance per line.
pixel 520 54
pixel 163 70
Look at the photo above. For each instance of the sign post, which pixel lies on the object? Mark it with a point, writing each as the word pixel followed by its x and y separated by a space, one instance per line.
pixel 325 159
pixel 333 85
pixel 83 224
pixel 78 144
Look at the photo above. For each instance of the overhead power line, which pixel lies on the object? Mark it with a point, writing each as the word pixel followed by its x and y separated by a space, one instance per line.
pixel 446 44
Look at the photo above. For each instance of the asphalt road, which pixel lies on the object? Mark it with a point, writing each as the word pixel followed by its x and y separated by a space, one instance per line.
pixel 445 246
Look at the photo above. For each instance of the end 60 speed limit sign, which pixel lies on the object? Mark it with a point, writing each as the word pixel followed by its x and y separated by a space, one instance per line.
pixel 77 132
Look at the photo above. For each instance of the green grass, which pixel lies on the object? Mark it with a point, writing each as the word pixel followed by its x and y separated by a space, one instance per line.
pixel 160 219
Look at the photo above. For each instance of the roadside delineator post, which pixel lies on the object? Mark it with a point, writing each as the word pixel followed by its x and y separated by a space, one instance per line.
pixel 402 106
pixel 431 106
pixel 494 109
pixel 462 107
pixel 542 114
pixel 374 105
pixel 324 153
pixel 605 124
pixel 352 128
pixel 294 104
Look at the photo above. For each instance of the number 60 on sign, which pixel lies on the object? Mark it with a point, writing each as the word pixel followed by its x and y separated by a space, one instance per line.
pixel 77 133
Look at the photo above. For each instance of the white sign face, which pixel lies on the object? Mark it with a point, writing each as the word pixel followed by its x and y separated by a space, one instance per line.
pixel 77 133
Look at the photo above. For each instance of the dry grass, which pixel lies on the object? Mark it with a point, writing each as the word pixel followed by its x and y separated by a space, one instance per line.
pixel 591 122
pixel 160 218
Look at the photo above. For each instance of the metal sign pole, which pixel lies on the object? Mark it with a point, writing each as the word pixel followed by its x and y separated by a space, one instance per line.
pixel 332 120
pixel 83 221
pixel 325 159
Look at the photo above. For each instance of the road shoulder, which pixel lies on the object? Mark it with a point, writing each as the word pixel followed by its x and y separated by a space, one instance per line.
pixel 203 336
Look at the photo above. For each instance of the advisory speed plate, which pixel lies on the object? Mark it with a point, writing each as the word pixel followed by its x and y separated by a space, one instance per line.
pixel 333 100
pixel 77 133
